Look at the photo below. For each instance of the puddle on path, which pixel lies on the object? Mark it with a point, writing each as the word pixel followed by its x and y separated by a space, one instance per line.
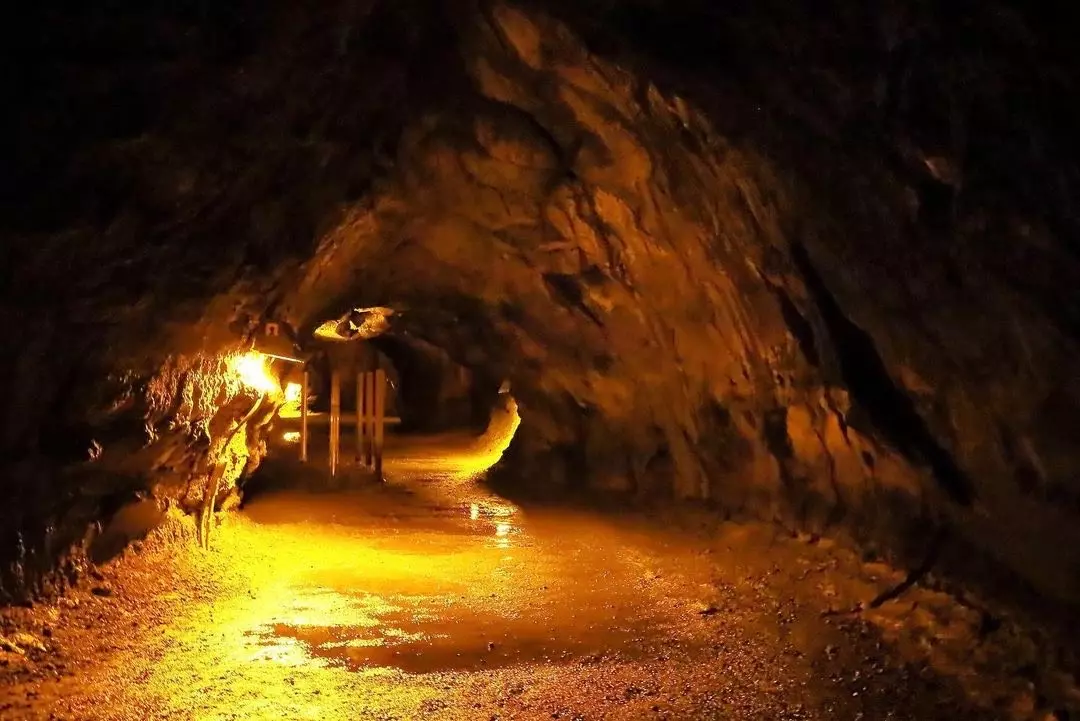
pixel 433 634
pixel 457 585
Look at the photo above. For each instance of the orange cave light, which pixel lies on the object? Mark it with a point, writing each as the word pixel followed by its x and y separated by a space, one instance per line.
pixel 254 372
pixel 291 407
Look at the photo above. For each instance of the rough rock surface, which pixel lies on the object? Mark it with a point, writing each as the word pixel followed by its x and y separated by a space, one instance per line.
pixel 814 263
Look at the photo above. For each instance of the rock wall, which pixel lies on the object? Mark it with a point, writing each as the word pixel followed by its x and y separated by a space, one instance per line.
pixel 182 438
pixel 813 263
pixel 769 322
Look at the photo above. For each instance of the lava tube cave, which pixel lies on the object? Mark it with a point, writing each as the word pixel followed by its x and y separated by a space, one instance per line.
pixel 540 359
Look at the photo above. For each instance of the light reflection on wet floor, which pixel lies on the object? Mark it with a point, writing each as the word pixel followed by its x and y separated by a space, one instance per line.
pixel 411 640
pixel 486 604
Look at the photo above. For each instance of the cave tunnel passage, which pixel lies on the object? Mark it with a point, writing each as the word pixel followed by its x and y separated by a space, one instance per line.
pixel 346 597
pixel 438 416
pixel 441 589
pixel 430 593
pixel 727 349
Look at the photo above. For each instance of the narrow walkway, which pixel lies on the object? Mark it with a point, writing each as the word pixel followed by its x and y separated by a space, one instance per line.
pixel 431 598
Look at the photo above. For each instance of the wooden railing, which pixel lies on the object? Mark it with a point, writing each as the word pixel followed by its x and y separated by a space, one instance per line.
pixel 370 420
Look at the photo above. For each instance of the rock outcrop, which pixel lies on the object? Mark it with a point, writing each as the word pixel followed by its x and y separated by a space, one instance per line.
pixel 717 258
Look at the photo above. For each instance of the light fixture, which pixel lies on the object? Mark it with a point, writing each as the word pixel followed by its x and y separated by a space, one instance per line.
pixel 271 342
pixel 291 407
pixel 253 372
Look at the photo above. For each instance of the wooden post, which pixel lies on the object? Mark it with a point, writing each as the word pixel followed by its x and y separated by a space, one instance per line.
pixel 335 419
pixel 379 377
pixel 369 424
pixel 303 418
pixel 360 417
pixel 365 401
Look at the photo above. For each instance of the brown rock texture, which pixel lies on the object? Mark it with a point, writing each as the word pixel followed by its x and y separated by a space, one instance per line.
pixel 814 263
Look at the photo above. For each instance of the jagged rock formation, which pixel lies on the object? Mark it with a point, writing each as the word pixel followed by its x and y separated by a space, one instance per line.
pixel 716 258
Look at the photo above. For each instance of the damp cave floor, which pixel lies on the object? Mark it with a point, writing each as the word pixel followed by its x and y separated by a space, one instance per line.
pixel 431 597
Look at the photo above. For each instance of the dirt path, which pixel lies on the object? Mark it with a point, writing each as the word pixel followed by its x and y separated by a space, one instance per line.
pixel 430 598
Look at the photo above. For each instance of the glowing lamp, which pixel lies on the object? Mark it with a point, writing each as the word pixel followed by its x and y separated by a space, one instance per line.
pixel 291 407
pixel 292 393
pixel 253 371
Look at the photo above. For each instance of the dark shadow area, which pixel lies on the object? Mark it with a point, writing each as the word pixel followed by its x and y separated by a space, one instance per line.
pixel 799 327
pixel 132 522
pixel 436 393
pixel 891 412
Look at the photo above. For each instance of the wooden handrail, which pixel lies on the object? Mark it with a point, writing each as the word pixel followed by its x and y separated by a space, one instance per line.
pixel 322 419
